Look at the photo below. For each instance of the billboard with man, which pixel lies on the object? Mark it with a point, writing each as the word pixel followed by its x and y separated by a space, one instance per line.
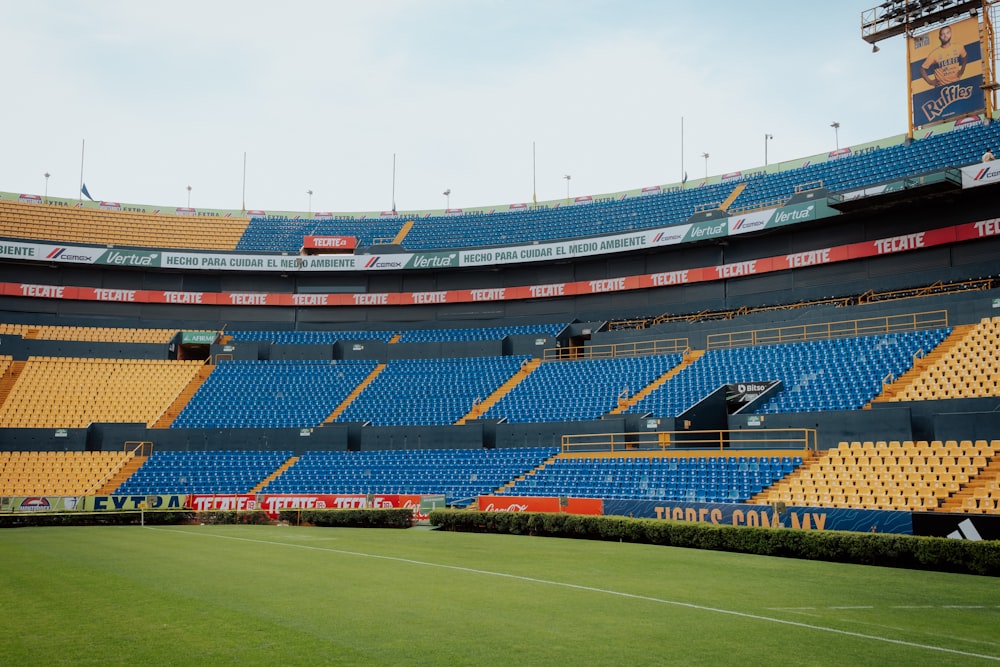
pixel 946 73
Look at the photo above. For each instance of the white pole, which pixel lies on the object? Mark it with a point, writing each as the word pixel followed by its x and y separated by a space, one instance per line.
pixel 79 193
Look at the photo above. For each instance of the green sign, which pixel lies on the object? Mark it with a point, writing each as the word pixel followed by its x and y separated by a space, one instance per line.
pixel 198 337
pixel 129 258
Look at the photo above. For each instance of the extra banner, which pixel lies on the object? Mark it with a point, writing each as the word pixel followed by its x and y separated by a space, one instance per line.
pixel 946 73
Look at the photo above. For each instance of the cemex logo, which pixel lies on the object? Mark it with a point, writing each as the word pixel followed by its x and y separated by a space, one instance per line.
pixel 986 174
pixel 966 531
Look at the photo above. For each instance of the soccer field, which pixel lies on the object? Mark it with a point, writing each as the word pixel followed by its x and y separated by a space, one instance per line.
pixel 211 595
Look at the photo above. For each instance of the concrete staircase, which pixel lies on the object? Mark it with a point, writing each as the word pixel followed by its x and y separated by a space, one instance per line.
pixel 175 408
pixel 624 403
pixel 527 368
pixel 894 389
pixel 274 475
pixel 354 394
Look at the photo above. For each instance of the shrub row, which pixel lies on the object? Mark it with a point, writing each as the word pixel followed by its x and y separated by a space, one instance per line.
pixel 352 518
pixel 124 518
pixel 249 517
pixel 904 551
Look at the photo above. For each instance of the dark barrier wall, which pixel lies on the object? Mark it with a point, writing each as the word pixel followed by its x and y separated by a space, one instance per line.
pixel 43 439
pixel 466 436
pixel 953 419
pixel 550 434
pixel 834 427
pixel 312 352
pixel 967 426
pixel 22 348
pixel 238 351
pixel 529 345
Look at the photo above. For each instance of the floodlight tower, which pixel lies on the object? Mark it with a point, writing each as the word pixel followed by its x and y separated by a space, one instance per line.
pixel 917 20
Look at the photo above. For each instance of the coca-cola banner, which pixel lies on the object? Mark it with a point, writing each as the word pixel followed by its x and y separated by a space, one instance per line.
pixel 535 504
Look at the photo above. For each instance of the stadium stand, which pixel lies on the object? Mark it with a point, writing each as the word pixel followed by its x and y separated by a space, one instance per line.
pixel 118 228
pixel 536 400
pixel 692 478
pixel 203 472
pixel 459 474
pixel 271 394
pixel 430 391
pixel 969 367
pixel 886 475
pixel 577 390
pixel 836 374
pixel 102 334
pixel 38 473
pixel 69 392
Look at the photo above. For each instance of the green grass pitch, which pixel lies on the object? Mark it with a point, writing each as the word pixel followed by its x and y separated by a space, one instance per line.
pixel 274 595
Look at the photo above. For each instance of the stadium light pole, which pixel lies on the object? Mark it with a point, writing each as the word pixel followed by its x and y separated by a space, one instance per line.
pixel 447 199
pixel 836 134
pixel 705 155
pixel 189 196
pixel 46 199
pixel 310 193
pixel 568 178
pixel 767 137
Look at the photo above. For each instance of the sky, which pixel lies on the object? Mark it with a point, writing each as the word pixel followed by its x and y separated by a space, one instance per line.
pixel 370 103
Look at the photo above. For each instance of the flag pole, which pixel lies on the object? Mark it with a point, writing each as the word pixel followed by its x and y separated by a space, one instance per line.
pixel 393 182
pixel 244 182
pixel 534 179
pixel 682 150
pixel 79 192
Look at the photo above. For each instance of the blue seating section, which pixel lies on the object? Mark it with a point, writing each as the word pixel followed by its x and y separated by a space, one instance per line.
pixel 549 224
pixel 474 334
pixel 713 479
pixel 286 234
pixel 579 390
pixel 838 374
pixel 202 472
pixel 852 171
pixel 412 336
pixel 459 474
pixel 309 337
pixel 429 391
pixel 271 394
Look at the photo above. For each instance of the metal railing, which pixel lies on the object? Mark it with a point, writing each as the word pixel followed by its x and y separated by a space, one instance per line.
pixel 615 350
pixel 660 441
pixel 827 330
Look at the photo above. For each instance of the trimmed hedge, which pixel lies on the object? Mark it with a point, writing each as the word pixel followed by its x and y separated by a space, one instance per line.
pixel 247 517
pixel 123 518
pixel 887 550
pixel 350 518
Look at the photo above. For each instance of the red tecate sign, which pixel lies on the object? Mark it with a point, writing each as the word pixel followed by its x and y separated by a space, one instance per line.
pixel 330 243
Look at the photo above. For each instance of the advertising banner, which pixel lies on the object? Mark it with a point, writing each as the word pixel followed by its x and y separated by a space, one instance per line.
pixel 765 516
pixel 946 73
pixel 593 506
pixel 972 527
pixel 330 243
pixel 133 502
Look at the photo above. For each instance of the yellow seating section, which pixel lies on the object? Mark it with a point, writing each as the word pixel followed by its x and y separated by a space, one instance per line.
pixel 908 475
pixel 969 369
pixel 98 334
pixel 57 473
pixel 73 392
pixel 125 228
